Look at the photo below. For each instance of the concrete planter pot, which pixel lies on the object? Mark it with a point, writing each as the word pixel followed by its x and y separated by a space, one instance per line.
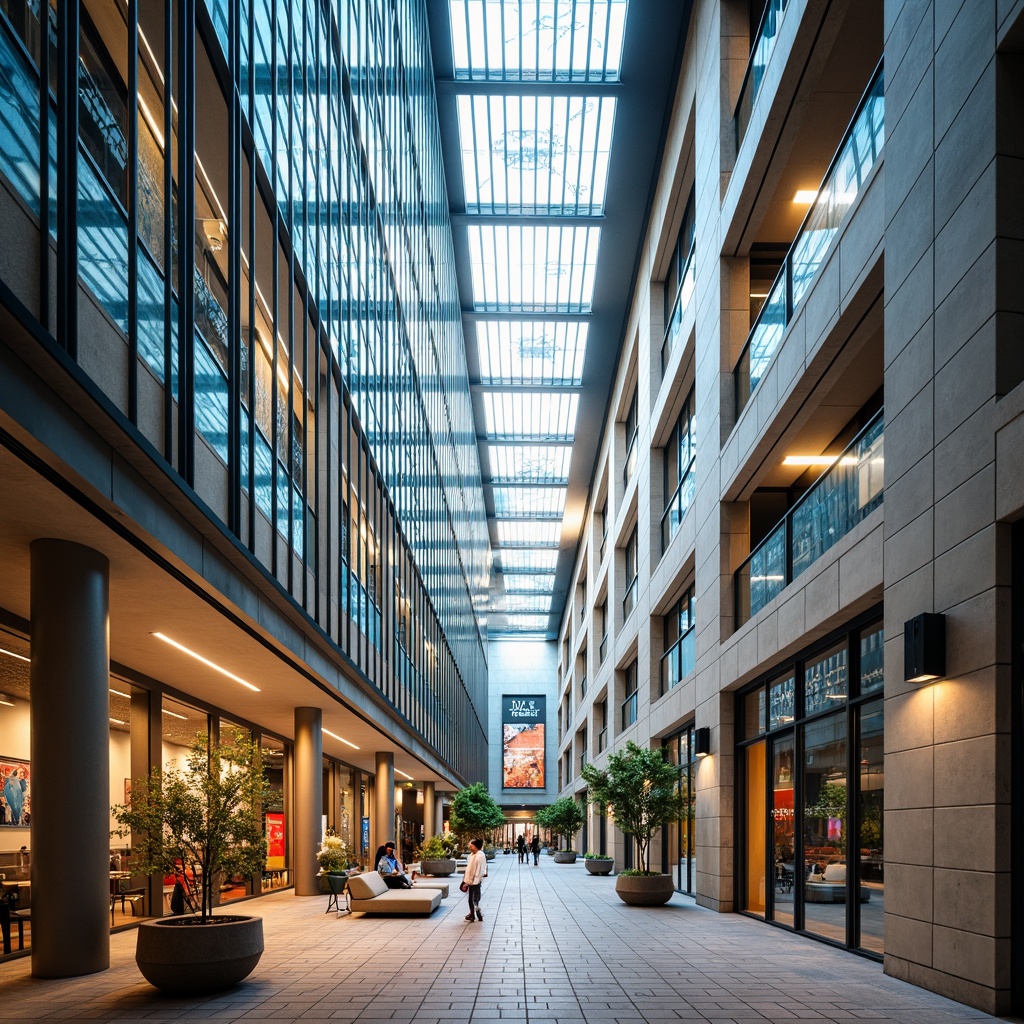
pixel 181 956
pixel 490 854
pixel 565 857
pixel 644 890
pixel 438 868
pixel 599 865
pixel 324 887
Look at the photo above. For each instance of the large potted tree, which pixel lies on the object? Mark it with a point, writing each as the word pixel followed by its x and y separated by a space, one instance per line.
pixel 642 788
pixel 565 818
pixel 202 823
pixel 473 813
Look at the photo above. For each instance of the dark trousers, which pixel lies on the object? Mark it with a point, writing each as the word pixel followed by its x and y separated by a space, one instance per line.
pixel 474 899
pixel 397 882
pixel 536 857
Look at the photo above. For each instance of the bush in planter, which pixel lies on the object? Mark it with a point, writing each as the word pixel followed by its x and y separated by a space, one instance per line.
pixel 474 812
pixel 437 848
pixel 202 822
pixel 643 789
pixel 564 817
pixel 598 863
pixel 334 855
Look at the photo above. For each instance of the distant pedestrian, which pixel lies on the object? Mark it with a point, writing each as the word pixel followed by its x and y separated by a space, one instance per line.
pixel 476 868
pixel 521 847
pixel 535 849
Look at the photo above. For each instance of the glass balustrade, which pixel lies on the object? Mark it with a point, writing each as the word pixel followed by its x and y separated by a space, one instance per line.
pixel 857 155
pixel 848 491
pixel 761 53
pixel 679 660
pixel 678 505
pixel 629 710
pixel 602 650
pixel 629 600
pixel 687 284
pixel 602 739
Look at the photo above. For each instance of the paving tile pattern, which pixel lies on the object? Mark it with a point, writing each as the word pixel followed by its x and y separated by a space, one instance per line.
pixel 556 945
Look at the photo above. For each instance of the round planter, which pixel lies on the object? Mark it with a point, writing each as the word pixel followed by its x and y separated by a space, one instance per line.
pixel 182 956
pixel 565 857
pixel 324 887
pixel 438 868
pixel 550 851
pixel 490 854
pixel 599 865
pixel 644 890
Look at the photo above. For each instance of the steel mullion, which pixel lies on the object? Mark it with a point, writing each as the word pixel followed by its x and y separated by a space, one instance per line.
pixel 44 169
pixel 68 28
pixel 607 33
pixel 290 335
pixel 169 81
pixel 551 154
pixel 133 209
pixel 251 339
pixel 275 216
pixel 234 243
pixel 579 160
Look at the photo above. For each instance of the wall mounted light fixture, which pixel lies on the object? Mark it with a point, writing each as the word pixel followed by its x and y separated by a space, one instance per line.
pixel 702 741
pixel 924 648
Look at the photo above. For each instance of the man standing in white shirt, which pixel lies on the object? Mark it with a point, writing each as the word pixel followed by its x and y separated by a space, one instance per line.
pixel 476 868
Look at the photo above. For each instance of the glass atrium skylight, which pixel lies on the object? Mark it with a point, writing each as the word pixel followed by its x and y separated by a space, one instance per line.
pixel 534 502
pixel 535 154
pixel 530 414
pixel 541 464
pixel 528 533
pixel 516 560
pixel 520 583
pixel 531 352
pixel 527 623
pixel 526 268
pixel 528 603
pixel 537 40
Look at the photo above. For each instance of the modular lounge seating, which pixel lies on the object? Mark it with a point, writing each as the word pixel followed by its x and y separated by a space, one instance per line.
pixel 830 887
pixel 370 894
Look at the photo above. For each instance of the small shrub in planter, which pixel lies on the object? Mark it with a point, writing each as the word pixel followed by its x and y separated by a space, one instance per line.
pixel 598 863
pixel 437 856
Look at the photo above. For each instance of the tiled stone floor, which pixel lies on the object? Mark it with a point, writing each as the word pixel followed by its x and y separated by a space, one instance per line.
pixel 556 945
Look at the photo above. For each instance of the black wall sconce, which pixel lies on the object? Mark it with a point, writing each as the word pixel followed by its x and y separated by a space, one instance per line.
pixel 924 648
pixel 702 741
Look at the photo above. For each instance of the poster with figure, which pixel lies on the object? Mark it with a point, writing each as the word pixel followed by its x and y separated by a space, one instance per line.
pixel 522 742
pixel 15 792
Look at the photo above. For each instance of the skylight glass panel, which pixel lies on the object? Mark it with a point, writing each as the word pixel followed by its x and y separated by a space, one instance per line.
pixel 526 624
pixel 527 603
pixel 537 502
pixel 528 561
pixel 528 533
pixel 531 352
pixel 532 463
pixel 535 154
pixel 530 414
pixel 531 269
pixel 537 40
pixel 523 584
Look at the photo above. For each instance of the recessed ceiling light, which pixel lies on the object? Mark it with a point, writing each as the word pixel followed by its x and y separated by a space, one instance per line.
pixel 820 460
pixel 335 736
pixel 11 654
pixel 806 196
pixel 398 771
pixel 6 701
pixel 759 295
pixel 117 721
pixel 205 661
pixel 174 714
pixel 118 692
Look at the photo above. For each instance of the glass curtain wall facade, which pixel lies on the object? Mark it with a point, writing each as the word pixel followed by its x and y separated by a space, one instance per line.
pixel 254 275
pixel 679 847
pixel 813 792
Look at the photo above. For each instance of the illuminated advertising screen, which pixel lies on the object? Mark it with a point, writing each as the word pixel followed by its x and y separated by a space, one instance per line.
pixel 522 742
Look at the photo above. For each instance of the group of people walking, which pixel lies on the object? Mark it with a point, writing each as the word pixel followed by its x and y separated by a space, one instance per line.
pixel 525 849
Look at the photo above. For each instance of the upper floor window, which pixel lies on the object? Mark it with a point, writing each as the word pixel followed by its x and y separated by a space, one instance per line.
pixel 680 282
pixel 680 456
pixel 604 527
pixel 629 704
pixel 632 571
pixel 632 429
pixel 678 661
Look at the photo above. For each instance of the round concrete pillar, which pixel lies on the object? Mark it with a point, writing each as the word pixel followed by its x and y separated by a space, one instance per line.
pixel 430 826
pixel 383 801
pixel 307 810
pixel 70 675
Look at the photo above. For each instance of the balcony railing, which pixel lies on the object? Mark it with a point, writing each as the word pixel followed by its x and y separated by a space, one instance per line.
pixel 602 650
pixel 677 507
pixel 684 293
pixel 629 710
pixel 760 54
pixel 857 154
pixel 602 739
pixel 841 497
pixel 678 661
pixel 629 601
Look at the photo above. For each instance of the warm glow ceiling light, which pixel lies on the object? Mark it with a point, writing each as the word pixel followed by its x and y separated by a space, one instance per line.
pixel 335 736
pixel 174 714
pixel 118 721
pixel 398 771
pixel 205 661
pixel 805 196
pixel 6 701
pixel 119 693
pixel 11 654
pixel 820 460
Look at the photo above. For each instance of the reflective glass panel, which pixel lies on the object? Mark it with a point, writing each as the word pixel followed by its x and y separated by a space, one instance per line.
pixel 529 463
pixel 783 828
pixel 531 352
pixel 825 681
pixel 527 603
pixel 529 501
pixel 530 561
pixel 870 834
pixel 528 533
pixel 523 584
pixel 781 701
pixel 872 660
pixel 530 414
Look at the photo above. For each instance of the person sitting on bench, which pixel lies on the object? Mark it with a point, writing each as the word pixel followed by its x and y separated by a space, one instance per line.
pixel 392 870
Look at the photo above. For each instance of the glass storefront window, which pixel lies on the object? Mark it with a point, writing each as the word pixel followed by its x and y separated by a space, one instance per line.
pixel 755 829
pixel 870 819
pixel 276 873
pixel 754 714
pixel 826 820
pixel 680 844
pixel 782 701
pixel 783 816
pixel 872 651
pixel 825 681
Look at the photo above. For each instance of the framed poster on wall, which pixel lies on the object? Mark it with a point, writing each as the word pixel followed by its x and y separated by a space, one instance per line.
pixel 15 792
pixel 522 742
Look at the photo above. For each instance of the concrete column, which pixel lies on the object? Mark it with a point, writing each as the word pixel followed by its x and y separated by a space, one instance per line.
pixel 430 824
pixel 383 825
pixel 308 802
pixel 70 674
pixel 439 812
